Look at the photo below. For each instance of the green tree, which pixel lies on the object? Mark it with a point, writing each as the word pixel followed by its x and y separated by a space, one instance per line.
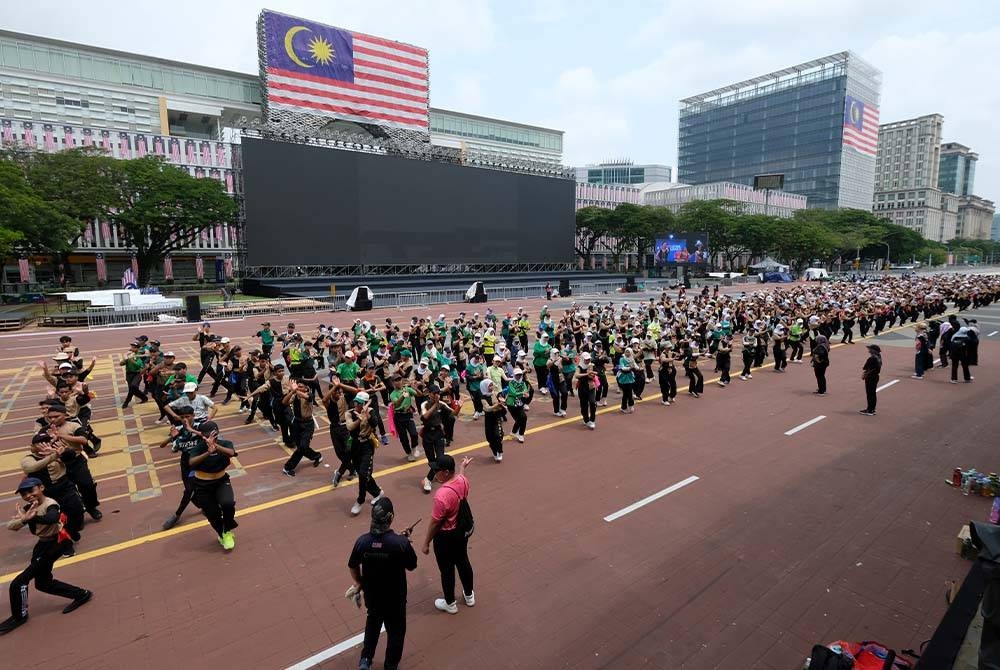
pixel 76 181
pixel 161 208
pixel 27 220
pixel 757 233
pixel 592 223
pixel 803 238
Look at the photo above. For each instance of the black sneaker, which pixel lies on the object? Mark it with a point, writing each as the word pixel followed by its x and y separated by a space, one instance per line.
pixel 248 421
pixel 288 473
pixel 97 444
pixel 68 550
pixel 171 522
pixel 337 476
pixel 82 600
pixel 96 514
pixel 12 623
pixel 317 461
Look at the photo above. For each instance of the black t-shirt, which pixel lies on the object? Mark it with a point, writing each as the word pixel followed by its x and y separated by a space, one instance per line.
pixel 383 559
pixel 216 462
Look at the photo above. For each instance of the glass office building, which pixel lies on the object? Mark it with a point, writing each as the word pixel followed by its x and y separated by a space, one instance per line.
pixel 790 122
pixel 958 169
pixel 623 172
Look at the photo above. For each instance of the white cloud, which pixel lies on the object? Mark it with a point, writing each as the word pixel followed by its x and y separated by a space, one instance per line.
pixel 578 83
pixel 594 131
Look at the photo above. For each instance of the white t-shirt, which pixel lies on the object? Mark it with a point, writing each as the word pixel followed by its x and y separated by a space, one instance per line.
pixel 201 404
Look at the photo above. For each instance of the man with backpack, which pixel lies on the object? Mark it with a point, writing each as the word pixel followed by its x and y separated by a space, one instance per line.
pixel 450 529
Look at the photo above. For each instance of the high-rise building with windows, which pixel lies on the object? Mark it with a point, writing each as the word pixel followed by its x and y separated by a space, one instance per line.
pixel 623 172
pixel 816 123
pixel 957 169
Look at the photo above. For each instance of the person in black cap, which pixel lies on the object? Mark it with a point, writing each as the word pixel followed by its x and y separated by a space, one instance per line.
pixel 267 337
pixel 44 520
pixel 185 439
pixel 44 462
pixel 378 565
pixel 134 363
pixel 869 373
pixel 451 543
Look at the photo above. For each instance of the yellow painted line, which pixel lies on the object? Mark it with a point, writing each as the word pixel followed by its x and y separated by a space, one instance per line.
pixel 303 495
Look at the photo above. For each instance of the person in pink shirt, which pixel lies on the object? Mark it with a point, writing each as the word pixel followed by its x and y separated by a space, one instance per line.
pixel 451 543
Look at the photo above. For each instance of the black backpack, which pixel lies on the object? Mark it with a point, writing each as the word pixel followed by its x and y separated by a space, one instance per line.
pixel 464 523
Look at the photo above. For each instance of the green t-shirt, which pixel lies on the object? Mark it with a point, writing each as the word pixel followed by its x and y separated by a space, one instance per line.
pixel 348 372
pixel 266 337
pixel 540 354
pixel 402 399
pixel 515 393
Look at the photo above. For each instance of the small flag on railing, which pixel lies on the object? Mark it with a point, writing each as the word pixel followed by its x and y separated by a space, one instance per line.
pixel 168 268
pixel 25 269
pixel 105 234
pixel 228 264
pixel 199 267
pixel 128 278
pixel 135 270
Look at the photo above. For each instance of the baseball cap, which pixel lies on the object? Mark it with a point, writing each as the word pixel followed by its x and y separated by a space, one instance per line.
pixel 190 387
pixel 382 512
pixel 28 483
pixel 224 340
pixel 61 356
pixel 208 427
pixel 361 398
pixel 66 366
pixel 518 372
pixel 348 354
pixel 168 354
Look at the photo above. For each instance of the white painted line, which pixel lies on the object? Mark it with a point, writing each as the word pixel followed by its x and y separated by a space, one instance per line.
pixel 645 501
pixel 803 426
pixel 885 386
pixel 329 653
pixel 993 333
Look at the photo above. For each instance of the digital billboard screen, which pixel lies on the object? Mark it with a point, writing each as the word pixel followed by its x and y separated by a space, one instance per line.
pixel 681 249
pixel 309 205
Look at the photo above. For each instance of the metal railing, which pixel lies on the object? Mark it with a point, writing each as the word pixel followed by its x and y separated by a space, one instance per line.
pixel 240 309
pixel 136 315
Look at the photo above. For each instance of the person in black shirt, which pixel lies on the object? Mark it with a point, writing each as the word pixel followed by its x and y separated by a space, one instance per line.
pixel 378 565
pixel 870 373
pixel 185 439
pixel 213 492
pixel 298 399
pixel 44 520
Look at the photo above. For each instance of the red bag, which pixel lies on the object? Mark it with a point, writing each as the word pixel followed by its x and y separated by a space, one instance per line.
pixel 871 655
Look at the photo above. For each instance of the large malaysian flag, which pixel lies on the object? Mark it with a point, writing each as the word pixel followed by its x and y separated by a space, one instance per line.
pixel 860 126
pixel 317 69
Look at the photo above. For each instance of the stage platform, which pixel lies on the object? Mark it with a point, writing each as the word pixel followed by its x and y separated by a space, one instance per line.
pixel 533 282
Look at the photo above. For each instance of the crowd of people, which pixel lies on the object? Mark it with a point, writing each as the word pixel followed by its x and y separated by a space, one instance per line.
pixel 411 380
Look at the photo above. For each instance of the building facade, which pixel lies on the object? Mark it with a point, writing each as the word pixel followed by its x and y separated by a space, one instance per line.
pixel 772 203
pixel 929 211
pixel 56 95
pixel 975 218
pixel 995 228
pixel 815 123
pixel 957 172
pixel 623 172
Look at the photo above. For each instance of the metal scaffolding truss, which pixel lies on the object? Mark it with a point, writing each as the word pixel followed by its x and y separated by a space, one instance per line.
pixel 293 271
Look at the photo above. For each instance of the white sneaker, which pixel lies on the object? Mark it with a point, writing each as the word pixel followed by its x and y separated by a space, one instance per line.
pixel 543 391
pixel 497 457
pixel 356 509
pixel 411 457
pixel 591 425
pixel 377 498
pixel 470 600
pixel 427 485
pixel 604 403
pixel 519 438
pixel 665 403
pixel 417 453
pixel 442 605
pixel 527 408
pixel 556 413
pixel 476 415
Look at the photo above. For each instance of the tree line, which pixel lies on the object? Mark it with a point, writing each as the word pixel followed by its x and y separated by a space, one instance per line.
pixel 737 237
pixel 47 199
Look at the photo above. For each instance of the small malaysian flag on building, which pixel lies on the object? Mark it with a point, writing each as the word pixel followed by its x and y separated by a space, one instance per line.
pixel 102 268
pixel 168 267
pixel 135 269
pixel 25 269
pixel 199 267
pixel 860 126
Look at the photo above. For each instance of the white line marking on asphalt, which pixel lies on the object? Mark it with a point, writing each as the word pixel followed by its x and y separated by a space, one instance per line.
pixel 329 653
pixel 803 426
pixel 993 333
pixel 885 386
pixel 645 501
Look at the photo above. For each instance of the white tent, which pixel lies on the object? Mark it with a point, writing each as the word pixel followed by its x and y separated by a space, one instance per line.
pixel 769 265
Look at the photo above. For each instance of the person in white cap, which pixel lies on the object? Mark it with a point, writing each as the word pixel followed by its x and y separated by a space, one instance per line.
pixel 495 414
pixel 362 428
pixel 585 380
pixel 204 408
pixel 517 398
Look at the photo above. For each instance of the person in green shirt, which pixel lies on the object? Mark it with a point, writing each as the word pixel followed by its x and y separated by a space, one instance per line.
pixel 517 397
pixel 348 372
pixel 403 401
pixel 475 371
pixel 267 336
pixel 795 342
pixel 134 364
pixel 540 361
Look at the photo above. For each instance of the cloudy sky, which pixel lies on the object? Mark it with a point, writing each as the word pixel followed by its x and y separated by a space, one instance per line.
pixel 609 74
